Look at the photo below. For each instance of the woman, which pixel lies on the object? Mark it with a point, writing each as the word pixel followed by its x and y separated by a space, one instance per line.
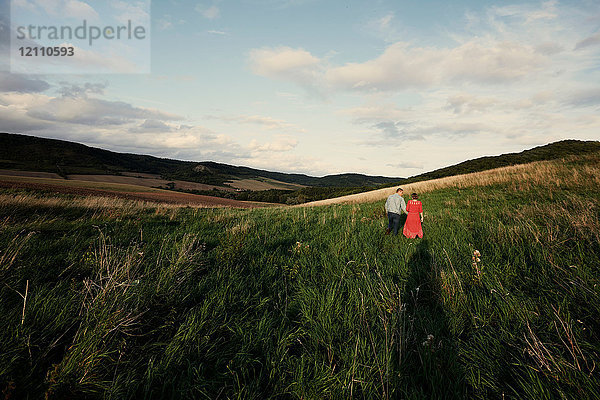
pixel 412 227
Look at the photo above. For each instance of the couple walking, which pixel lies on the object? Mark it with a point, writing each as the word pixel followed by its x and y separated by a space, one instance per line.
pixel 395 205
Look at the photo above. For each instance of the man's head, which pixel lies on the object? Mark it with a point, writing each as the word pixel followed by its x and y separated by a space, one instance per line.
pixel 399 191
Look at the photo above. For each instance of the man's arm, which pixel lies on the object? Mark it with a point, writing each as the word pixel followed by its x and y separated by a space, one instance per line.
pixel 403 205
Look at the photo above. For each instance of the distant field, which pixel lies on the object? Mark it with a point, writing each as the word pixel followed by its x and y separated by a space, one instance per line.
pixel 262 184
pixel 121 190
pixel 32 174
pixel 146 181
pixel 155 181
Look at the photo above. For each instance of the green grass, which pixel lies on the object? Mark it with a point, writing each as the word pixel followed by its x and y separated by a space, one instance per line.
pixel 305 302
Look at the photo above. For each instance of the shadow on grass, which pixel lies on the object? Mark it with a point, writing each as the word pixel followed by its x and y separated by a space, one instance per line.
pixel 432 366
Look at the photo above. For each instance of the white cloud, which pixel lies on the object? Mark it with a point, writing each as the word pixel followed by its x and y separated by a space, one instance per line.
pixel 23 4
pixel 528 12
pixel 296 65
pixel 80 10
pixel 385 27
pixel 62 8
pixel 467 103
pixel 374 112
pixel 208 12
pixel 92 111
pixel 281 143
pixel 267 122
pixel 283 62
pixel 402 66
pixel 138 12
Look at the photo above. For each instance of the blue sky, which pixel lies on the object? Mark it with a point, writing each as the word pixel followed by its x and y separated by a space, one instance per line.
pixel 391 88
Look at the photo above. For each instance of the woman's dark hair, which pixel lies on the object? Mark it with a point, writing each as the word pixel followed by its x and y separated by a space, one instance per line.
pixel 414 196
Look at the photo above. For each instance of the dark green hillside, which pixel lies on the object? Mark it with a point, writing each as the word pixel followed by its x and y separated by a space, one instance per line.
pixel 31 153
pixel 551 151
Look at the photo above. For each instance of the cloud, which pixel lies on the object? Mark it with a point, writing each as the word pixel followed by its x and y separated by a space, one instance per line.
pixel 389 128
pixel 584 97
pixel 285 161
pixel 21 83
pixel 138 12
pixel 93 112
pixel 384 27
pixel 74 90
pixel 407 165
pixel 78 9
pixel 152 126
pixel 267 122
pixel 281 143
pixel 393 131
pixel 375 112
pixel 14 120
pixel 296 65
pixel 166 22
pixel 402 66
pixel 466 103
pixel 593 40
pixel 60 8
pixel 208 12
pixel 528 13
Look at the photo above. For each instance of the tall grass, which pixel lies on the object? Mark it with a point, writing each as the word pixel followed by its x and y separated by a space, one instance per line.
pixel 572 172
pixel 139 301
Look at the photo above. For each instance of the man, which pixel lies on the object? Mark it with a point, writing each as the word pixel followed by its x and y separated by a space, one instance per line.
pixel 394 206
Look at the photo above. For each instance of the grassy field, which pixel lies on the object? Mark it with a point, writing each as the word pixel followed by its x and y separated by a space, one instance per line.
pixel 109 298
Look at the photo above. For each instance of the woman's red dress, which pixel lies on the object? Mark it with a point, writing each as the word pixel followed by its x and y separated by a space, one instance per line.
pixel 412 227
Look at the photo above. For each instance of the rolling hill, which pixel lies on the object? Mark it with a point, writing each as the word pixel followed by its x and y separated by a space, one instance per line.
pixel 79 162
pixel 29 153
pixel 552 151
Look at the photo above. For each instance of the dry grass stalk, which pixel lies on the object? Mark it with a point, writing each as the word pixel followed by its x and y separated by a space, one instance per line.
pixel 539 352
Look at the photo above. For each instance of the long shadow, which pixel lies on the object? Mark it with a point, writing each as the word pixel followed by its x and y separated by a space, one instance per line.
pixel 432 368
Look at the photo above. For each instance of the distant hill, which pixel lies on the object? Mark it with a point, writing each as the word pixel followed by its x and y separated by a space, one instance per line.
pixel 30 153
pixel 552 151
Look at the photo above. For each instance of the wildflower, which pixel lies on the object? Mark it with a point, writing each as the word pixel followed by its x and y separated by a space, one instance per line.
pixel 300 247
pixel 428 341
pixel 478 271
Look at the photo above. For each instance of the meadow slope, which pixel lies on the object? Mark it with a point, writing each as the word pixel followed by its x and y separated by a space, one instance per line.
pixel 550 174
pixel 111 298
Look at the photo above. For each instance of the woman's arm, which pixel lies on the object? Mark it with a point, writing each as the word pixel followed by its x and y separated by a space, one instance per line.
pixel 421 216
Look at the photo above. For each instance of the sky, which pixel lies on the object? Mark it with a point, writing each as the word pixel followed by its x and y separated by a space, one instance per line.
pixel 392 88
